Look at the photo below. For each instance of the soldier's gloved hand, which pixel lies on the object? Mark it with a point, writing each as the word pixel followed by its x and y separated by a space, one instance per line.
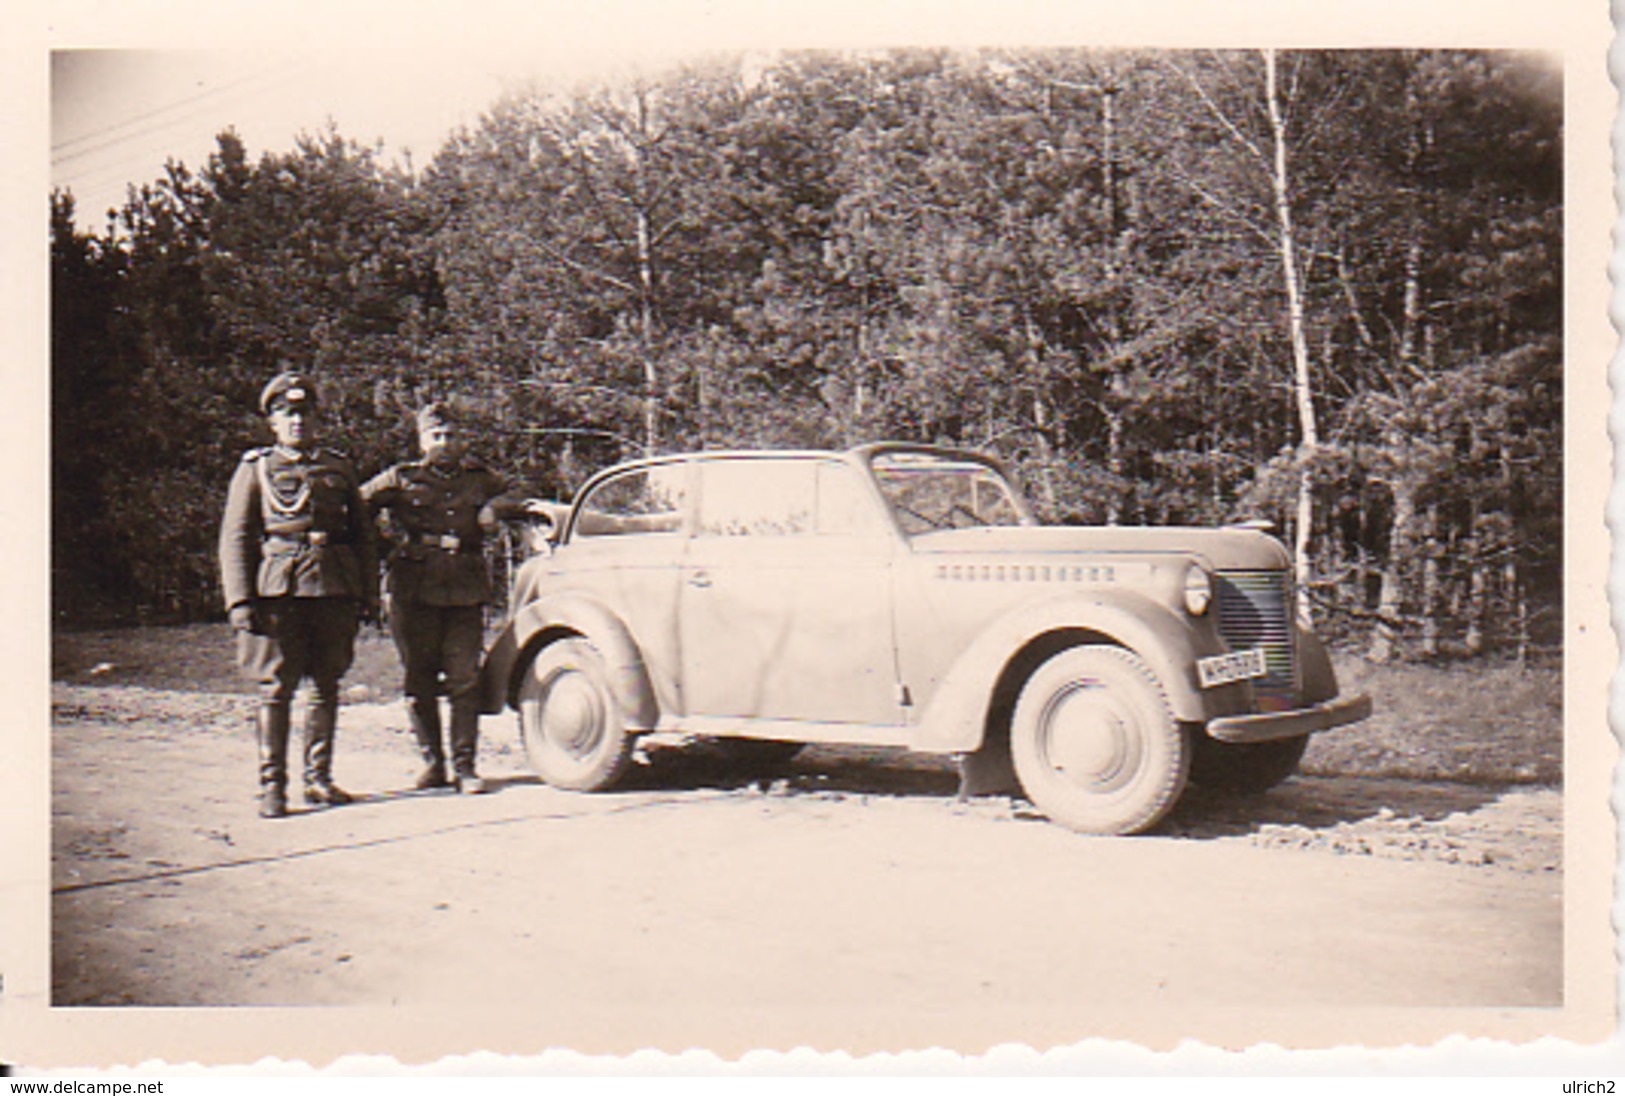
pixel 244 619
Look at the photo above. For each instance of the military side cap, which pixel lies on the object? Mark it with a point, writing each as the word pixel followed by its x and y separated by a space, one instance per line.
pixel 436 414
pixel 287 390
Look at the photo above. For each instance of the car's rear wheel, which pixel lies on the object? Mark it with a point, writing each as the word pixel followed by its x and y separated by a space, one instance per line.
pixel 1246 768
pixel 1095 744
pixel 575 735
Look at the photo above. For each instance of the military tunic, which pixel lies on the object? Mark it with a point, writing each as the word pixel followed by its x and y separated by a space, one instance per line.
pixel 439 558
pixel 296 543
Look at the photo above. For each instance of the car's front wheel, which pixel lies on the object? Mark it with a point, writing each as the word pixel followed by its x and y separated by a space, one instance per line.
pixel 1095 743
pixel 575 736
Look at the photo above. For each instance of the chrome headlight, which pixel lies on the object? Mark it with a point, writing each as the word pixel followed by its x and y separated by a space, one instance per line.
pixel 1198 589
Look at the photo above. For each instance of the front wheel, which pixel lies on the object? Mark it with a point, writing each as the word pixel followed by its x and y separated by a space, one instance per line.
pixel 575 736
pixel 1095 744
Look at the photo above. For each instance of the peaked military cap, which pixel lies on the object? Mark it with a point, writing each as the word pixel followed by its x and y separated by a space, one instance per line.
pixel 288 389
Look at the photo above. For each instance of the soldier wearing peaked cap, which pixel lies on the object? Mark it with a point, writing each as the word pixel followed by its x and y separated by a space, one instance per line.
pixel 298 566
pixel 442 507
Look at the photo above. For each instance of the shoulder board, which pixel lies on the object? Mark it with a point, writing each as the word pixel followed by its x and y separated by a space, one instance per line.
pixel 252 455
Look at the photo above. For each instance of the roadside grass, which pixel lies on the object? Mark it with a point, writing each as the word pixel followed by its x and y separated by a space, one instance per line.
pixel 1484 721
pixel 199 658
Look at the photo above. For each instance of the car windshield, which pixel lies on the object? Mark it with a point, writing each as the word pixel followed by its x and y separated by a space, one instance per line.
pixel 929 492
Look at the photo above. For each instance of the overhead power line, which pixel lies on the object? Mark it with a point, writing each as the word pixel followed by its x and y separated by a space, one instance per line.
pixel 178 112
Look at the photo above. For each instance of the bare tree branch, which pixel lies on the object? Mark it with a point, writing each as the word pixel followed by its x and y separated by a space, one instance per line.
pixel 1221 117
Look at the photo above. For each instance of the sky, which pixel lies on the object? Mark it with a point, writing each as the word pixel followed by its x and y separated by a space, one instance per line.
pixel 123 101
pixel 118 115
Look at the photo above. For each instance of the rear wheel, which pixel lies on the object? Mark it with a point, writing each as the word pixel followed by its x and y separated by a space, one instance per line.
pixel 1247 768
pixel 575 736
pixel 1095 744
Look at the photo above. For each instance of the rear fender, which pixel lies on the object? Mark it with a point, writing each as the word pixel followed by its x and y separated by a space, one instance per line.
pixel 539 624
pixel 988 670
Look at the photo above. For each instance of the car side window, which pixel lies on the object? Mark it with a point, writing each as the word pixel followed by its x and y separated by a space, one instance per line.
pixel 756 498
pixel 640 501
pixel 928 493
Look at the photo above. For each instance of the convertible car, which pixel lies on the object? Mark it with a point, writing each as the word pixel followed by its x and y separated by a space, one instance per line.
pixel 905 595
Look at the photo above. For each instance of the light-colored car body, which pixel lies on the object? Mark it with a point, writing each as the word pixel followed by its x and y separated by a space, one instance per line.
pixel 903 595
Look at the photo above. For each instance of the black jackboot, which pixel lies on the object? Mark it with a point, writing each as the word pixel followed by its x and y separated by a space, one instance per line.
pixel 465 737
pixel 424 713
pixel 271 723
pixel 321 725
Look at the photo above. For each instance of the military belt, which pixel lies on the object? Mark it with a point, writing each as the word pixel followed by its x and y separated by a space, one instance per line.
pixel 446 542
pixel 313 537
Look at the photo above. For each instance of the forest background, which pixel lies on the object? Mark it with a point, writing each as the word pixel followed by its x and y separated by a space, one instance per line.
pixel 1317 288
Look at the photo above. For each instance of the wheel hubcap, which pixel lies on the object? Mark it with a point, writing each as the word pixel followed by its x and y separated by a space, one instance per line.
pixel 572 717
pixel 1089 740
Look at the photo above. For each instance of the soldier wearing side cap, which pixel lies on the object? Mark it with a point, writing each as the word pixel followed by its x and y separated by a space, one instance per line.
pixel 441 506
pixel 298 565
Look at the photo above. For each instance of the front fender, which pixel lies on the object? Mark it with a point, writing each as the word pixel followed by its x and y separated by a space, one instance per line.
pixel 1319 678
pixel 955 719
pixel 497 669
pixel 549 618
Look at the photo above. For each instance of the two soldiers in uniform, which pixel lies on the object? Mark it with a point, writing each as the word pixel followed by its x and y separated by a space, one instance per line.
pixel 299 570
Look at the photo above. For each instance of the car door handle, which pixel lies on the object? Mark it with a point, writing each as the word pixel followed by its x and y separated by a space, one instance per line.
pixel 700 579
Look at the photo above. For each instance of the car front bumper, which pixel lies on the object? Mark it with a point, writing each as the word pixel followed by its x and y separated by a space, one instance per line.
pixel 1267 726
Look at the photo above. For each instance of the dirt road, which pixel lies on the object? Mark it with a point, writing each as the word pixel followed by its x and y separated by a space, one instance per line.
pixel 851 883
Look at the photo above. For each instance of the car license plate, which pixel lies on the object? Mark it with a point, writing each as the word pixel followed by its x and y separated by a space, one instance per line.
pixel 1236 666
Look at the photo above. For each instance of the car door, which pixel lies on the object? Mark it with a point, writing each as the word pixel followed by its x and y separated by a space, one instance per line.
pixel 785 605
pixel 625 549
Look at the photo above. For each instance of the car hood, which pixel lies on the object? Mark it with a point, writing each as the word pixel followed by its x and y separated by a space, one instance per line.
pixel 1220 549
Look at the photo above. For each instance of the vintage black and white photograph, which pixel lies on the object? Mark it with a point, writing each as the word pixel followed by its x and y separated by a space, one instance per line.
pixel 866 544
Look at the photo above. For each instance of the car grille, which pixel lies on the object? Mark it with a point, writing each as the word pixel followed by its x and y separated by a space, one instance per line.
pixel 1255 610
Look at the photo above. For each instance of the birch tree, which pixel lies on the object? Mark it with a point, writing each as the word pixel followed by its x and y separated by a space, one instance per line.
pixel 1270 154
